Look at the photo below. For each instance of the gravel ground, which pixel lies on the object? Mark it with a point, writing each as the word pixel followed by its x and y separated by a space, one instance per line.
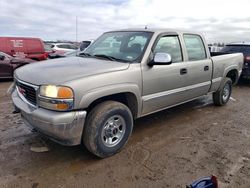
pixel 167 149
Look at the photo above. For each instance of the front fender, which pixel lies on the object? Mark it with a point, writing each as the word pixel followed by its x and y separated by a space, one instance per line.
pixel 108 90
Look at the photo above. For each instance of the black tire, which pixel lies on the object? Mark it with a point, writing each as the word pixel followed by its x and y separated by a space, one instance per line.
pixel 220 98
pixel 97 128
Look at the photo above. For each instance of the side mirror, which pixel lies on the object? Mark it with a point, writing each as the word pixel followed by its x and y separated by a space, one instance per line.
pixel 161 59
pixel 2 57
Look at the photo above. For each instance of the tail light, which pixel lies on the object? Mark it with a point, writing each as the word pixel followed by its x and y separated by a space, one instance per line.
pixel 248 58
pixel 45 55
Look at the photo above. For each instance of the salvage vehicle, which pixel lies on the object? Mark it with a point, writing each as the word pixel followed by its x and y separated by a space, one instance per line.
pixel 23 47
pixel 64 47
pixel 48 49
pixel 66 54
pixel 8 64
pixel 94 99
pixel 244 48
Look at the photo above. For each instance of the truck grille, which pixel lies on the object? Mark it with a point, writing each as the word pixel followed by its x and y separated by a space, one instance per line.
pixel 27 91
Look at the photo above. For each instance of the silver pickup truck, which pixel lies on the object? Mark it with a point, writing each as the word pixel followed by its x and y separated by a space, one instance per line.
pixel 126 74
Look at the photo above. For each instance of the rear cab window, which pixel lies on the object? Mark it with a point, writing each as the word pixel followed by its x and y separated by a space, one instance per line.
pixel 195 47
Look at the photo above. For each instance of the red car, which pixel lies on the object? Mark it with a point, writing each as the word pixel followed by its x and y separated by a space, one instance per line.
pixel 32 48
pixel 8 64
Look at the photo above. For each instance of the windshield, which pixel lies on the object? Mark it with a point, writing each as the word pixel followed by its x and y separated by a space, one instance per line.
pixel 236 48
pixel 121 46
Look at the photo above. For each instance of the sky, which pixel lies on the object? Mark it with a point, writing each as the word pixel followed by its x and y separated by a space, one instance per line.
pixel 219 20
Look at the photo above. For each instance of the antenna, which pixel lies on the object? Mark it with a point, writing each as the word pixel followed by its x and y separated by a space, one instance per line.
pixel 146 27
pixel 76 28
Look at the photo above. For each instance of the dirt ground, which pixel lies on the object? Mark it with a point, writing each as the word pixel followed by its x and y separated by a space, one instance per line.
pixel 167 149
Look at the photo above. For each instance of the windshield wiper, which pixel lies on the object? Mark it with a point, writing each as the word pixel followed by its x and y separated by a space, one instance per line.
pixel 111 58
pixel 84 54
pixel 106 57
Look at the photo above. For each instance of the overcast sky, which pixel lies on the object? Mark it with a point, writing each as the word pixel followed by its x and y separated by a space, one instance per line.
pixel 218 20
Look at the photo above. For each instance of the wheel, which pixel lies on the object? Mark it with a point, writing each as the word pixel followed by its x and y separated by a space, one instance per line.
pixel 222 96
pixel 107 129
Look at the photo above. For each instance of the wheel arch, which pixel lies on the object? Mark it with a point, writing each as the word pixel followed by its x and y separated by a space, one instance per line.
pixel 233 74
pixel 128 95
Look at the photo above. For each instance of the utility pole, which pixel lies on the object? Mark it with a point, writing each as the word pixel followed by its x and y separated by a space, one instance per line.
pixel 76 29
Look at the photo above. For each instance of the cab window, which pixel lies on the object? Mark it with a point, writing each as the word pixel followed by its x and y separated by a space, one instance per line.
pixel 195 47
pixel 170 45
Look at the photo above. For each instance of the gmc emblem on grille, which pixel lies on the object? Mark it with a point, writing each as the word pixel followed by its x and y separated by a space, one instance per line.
pixel 22 91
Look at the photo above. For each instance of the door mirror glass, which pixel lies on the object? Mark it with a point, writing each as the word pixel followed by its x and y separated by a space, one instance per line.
pixel 161 59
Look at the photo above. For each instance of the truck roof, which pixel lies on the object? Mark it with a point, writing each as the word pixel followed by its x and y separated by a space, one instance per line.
pixel 157 30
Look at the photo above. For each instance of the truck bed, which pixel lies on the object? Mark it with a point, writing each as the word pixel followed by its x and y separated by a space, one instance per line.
pixel 222 64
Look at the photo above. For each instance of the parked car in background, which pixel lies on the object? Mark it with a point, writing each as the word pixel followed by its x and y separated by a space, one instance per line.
pixel 243 48
pixel 124 75
pixel 64 47
pixel 8 64
pixel 23 47
pixel 48 49
pixel 67 54
pixel 84 44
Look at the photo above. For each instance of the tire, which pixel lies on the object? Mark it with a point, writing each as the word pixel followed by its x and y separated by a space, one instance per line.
pixel 107 129
pixel 222 96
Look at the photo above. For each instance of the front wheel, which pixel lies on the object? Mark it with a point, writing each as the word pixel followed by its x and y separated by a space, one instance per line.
pixel 107 129
pixel 222 96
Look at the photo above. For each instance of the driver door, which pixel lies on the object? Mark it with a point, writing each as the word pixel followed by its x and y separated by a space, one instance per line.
pixel 164 85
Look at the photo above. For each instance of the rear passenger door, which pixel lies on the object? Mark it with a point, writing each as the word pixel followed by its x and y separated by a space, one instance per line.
pixel 199 66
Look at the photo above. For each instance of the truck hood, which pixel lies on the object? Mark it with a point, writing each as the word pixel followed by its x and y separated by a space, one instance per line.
pixel 59 71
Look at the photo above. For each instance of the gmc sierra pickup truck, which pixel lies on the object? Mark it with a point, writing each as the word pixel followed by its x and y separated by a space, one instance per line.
pixel 126 74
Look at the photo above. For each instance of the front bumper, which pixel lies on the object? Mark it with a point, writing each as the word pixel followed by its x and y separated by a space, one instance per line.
pixel 63 127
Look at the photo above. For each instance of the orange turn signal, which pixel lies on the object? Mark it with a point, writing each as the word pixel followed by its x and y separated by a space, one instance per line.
pixel 62 106
pixel 64 93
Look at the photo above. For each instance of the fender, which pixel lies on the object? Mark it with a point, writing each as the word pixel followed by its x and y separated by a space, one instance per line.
pixel 108 90
pixel 229 68
pixel 216 86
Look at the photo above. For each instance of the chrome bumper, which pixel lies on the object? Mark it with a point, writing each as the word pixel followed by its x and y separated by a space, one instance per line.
pixel 63 127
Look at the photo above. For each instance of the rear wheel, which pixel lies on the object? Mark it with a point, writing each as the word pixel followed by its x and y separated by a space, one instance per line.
pixel 222 96
pixel 107 129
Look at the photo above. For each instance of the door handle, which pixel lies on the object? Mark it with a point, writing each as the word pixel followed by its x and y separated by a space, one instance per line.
pixel 206 68
pixel 183 71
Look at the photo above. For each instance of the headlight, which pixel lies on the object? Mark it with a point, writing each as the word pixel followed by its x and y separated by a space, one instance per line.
pixel 60 92
pixel 56 97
